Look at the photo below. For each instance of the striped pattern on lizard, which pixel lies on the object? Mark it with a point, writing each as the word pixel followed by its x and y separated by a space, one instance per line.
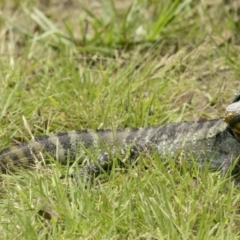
pixel 216 141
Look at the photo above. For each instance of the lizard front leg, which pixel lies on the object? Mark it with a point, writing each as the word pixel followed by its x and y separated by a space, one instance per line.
pixel 104 163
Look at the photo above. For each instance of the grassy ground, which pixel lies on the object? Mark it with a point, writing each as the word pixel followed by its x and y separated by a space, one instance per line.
pixel 73 65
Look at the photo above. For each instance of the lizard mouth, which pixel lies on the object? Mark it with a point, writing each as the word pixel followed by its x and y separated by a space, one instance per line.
pixel 234 124
pixel 232 118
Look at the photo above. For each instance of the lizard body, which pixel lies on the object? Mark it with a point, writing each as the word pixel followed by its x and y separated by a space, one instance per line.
pixel 214 141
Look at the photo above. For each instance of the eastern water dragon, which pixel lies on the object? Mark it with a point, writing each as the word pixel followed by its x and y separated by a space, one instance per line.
pixel 215 141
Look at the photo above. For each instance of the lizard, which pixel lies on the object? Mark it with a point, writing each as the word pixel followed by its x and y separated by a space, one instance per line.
pixel 216 141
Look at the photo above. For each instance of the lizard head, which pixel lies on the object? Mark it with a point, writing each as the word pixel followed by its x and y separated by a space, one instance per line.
pixel 232 117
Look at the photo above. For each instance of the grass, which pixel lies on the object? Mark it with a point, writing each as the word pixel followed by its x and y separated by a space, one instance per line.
pixel 114 64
